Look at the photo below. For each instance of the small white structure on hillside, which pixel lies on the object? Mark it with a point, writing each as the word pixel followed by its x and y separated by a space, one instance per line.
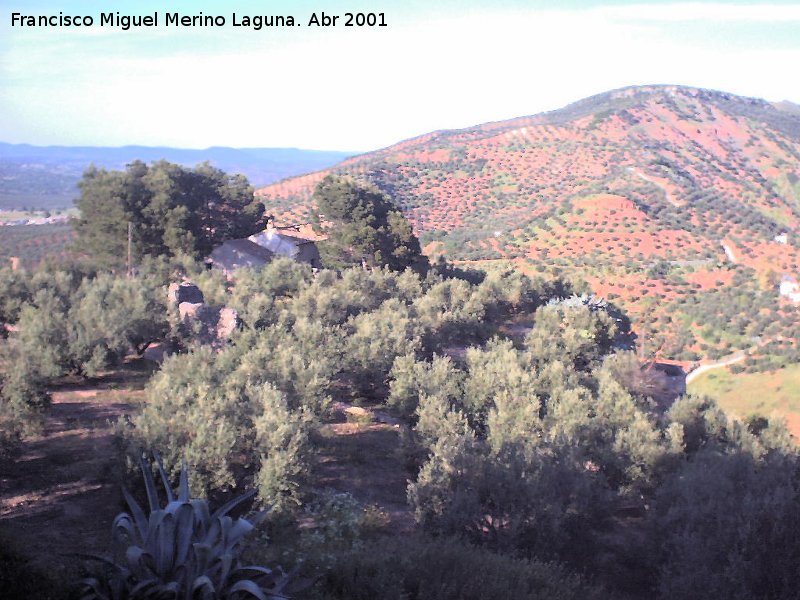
pixel 782 238
pixel 790 288
pixel 260 248
pixel 280 242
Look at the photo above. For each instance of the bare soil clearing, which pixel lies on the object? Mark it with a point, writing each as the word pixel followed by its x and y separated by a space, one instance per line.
pixel 363 456
pixel 61 494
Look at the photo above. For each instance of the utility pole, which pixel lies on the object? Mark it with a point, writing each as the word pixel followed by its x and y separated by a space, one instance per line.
pixel 130 254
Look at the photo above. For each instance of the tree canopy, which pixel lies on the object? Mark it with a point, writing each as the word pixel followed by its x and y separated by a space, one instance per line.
pixel 362 224
pixel 174 210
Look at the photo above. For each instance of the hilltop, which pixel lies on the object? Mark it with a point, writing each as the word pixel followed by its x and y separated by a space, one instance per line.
pixel 655 192
pixel 668 158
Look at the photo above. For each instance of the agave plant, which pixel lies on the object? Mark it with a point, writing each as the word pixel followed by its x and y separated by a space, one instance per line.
pixel 183 551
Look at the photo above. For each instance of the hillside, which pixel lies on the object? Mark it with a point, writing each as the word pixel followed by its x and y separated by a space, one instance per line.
pixel 47 177
pixel 653 194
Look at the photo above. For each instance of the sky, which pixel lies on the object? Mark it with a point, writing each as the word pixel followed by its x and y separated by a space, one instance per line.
pixel 436 65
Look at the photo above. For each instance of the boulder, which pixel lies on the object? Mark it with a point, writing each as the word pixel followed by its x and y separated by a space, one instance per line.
pixel 179 293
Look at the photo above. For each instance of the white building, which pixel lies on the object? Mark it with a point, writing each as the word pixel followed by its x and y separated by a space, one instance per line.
pixel 790 289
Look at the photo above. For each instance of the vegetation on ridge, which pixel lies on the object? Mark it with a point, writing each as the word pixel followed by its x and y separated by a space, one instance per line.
pixel 412 430
pixel 667 200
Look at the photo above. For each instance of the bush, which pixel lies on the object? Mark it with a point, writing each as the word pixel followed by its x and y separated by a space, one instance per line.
pixel 227 430
pixel 728 527
pixel 375 340
pixel 411 379
pixel 419 568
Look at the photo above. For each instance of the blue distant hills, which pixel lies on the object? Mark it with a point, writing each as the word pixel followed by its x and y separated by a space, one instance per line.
pixel 47 176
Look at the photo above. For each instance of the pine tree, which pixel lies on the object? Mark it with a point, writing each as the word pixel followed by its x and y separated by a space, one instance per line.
pixel 363 225
pixel 173 210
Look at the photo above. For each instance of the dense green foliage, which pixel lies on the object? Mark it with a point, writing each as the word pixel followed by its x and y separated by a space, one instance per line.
pixel 363 225
pixel 446 569
pixel 172 209
pixel 528 429
pixel 544 448
pixel 200 411
pixel 244 414
pixel 68 322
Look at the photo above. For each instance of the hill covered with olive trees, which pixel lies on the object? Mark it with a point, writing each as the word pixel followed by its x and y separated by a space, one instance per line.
pixel 680 204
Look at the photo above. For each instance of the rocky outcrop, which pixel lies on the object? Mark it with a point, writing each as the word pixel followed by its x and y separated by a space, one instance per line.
pixel 184 292
pixel 198 321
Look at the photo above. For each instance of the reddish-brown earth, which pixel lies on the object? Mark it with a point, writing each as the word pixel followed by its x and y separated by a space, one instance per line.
pixel 606 189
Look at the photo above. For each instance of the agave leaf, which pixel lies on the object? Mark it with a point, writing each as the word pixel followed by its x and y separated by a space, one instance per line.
pixel 184 522
pixel 226 562
pixel 263 571
pixel 93 590
pixel 123 530
pixel 183 490
pixel 250 588
pixel 237 530
pixel 149 484
pixel 181 574
pixel 135 557
pixel 164 478
pixel 103 559
pixel 144 588
pixel 202 517
pixel 231 504
pixel 214 531
pixel 204 584
pixel 153 524
pixel 203 581
pixel 173 506
pixel 165 545
pixel 137 512
pixel 225 524
pixel 202 553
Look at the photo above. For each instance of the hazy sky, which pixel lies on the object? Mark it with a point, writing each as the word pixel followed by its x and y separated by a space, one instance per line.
pixel 438 65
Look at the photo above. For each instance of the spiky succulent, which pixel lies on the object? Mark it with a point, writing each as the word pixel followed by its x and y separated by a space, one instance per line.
pixel 183 551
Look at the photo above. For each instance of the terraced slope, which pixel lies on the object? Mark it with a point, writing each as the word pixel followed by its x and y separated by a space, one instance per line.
pixel 659 191
pixel 695 166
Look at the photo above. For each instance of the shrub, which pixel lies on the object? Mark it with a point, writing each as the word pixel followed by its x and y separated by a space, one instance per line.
pixel 411 379
pixel 376 339
pixel 728 526
pixel 227 429
pixel 418 568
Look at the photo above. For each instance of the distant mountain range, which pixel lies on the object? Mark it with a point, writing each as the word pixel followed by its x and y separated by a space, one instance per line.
pixel 47 177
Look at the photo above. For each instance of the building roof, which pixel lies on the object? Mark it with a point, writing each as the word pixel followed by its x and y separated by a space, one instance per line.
pixel 237 254
pixel 292 246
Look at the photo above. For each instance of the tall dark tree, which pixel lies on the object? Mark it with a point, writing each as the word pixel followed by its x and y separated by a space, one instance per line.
pixel 173 210
pixel 362 224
